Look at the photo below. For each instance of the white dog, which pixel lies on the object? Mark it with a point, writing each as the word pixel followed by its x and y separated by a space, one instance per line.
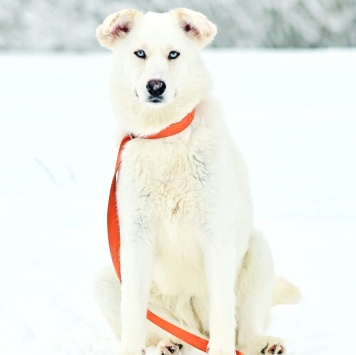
pixel 189 251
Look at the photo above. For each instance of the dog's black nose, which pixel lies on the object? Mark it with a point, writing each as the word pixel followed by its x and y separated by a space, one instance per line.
pixel 156 87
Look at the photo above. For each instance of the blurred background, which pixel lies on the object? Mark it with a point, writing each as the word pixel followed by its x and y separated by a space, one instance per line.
pixel 68 25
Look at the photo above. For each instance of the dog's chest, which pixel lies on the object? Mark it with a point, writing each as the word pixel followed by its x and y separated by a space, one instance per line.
pixel 170 177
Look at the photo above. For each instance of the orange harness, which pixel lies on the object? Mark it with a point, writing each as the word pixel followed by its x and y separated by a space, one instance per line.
pixel 114 235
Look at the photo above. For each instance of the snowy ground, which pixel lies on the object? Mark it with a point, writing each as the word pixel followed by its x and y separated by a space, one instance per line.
pixel 293 114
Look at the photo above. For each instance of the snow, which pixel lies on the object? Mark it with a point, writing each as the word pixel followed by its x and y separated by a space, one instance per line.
pixel 293 114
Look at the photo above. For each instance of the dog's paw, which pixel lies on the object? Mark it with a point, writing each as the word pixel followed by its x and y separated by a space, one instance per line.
pixel 168 347
pixel 273 346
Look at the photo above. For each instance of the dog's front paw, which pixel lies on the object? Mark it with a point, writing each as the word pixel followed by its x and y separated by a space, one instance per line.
pixel 168 347
pixel 273 346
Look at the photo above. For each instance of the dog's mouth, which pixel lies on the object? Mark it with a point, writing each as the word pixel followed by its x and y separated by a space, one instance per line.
pixel 152 99
pixel 155 99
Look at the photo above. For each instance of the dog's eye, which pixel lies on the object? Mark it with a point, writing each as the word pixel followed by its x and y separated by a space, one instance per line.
pixel 140 53
pixel 173 55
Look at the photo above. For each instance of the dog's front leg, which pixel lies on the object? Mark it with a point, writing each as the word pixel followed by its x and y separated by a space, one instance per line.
pixel 220 265
pixel 136 270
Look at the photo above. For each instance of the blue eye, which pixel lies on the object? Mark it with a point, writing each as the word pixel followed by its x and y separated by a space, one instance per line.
pixel 173 55
pixel 140 53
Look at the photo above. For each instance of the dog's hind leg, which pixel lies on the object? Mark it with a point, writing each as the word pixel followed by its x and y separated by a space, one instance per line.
pixel 107 291
pixel 254 293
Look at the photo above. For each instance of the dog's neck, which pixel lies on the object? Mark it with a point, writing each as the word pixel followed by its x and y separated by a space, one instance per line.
pixel 143 120
pixel 170 130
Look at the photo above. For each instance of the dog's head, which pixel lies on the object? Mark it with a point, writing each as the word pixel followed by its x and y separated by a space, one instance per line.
pixel 157 55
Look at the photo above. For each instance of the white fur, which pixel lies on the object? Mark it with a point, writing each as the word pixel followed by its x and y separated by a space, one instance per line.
pixel 189 251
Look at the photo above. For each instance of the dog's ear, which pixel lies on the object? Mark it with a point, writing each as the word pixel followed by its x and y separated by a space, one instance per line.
pixel 196 25
pixel 115 26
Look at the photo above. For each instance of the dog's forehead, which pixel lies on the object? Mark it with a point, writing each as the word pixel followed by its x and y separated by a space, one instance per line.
pixel 158 28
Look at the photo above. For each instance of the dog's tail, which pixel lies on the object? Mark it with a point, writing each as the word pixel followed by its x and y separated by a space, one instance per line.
pixel 285 292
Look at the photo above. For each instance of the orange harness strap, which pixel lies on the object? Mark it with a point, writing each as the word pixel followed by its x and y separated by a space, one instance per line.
pixel 114 236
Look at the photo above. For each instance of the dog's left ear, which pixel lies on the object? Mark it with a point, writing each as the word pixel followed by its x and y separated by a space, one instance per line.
pixel 196 25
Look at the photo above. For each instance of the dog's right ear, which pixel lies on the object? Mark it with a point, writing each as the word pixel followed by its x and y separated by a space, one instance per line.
pixel 116 26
